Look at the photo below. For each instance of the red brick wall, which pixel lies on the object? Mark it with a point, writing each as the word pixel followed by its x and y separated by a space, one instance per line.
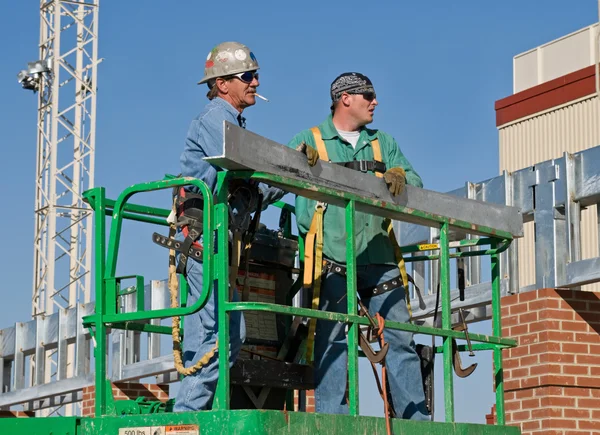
pixel 125 391
pixel 552 378
pixel 310 401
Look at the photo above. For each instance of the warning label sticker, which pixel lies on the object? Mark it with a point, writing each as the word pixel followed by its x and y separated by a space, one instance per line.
pixel 428 247
pixel 180 429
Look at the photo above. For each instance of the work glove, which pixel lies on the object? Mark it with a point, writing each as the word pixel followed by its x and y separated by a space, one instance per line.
pixel 312 155
pixel 395 179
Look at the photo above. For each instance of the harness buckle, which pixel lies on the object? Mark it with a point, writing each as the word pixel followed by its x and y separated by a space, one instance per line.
pixel 320 205
pixel 363 165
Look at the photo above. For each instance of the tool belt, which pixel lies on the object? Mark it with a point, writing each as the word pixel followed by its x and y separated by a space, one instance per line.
pixel 364 165
pixel 188 213
pixel 363 292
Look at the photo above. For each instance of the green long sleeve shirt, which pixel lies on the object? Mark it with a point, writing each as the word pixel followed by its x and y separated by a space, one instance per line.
pixel 373 245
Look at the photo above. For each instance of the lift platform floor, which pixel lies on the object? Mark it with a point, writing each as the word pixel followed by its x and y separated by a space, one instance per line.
pixel 237 422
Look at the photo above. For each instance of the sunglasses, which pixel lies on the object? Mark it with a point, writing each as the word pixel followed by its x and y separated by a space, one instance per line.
pixel 369 96
pixel 247 77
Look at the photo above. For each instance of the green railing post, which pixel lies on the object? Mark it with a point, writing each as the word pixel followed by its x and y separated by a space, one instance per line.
pixel 98 196
pixel 118 214
pixel 221 274
pixel 446 322
pixel 497 332
pixel 216 278
pixel 352 309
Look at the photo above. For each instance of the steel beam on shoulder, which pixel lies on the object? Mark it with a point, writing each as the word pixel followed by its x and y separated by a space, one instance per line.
pixel 244 150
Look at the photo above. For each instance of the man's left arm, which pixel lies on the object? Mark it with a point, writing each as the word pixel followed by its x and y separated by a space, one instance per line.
pixel 270 194
pixel 397 159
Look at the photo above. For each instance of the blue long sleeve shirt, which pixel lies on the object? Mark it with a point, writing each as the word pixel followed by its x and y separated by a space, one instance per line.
pixel 205 139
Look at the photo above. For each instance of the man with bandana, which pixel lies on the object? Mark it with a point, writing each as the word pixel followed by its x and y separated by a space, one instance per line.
pixel 232 78
pixel 348 142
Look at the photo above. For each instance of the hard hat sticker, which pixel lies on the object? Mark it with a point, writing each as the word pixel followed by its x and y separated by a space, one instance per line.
pixel 240 54
pixel 224 56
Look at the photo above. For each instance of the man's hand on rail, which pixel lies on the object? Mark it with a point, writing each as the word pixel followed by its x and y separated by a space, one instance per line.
pixel 311 154
pixel 395 179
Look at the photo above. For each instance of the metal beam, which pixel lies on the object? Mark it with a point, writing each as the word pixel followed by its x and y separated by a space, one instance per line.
pixel 479 295
pixel 244 150
pixel 582 272
pixel 40 392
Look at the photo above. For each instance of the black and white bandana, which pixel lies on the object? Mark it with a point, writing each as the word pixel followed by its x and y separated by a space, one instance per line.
pixel 351 83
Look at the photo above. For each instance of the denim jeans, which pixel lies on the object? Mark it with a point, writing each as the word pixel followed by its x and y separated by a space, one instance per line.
pixel 331 349
pixel 197 391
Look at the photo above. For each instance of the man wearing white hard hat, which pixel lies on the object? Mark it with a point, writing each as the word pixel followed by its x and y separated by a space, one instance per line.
pixel 231 73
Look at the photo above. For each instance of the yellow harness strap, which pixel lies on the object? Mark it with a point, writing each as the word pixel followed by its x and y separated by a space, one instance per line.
pixel 313 252
pixel 390 231
pixel 401 265
pixel 315 279
pixel 320 143
pixel 315 226
pixel 377 155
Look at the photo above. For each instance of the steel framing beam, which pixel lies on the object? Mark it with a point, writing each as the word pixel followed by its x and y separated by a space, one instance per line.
pixel 244 150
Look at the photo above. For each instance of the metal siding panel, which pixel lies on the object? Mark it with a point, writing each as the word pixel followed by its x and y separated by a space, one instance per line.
pixel 554 59
pixel 574 127
pixel 526 71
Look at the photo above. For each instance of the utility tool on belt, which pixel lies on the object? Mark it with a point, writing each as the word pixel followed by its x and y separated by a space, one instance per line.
pixel 458 368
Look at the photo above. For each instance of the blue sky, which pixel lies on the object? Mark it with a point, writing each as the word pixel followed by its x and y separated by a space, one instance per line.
pixel 437 67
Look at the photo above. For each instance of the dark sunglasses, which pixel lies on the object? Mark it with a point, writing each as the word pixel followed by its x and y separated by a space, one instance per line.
pixel 369 96
pixel 247 76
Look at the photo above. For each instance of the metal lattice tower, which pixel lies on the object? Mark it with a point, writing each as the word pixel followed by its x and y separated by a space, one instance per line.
pixel 65 77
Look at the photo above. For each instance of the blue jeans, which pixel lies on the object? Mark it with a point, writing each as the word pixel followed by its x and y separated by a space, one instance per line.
pixel 331 348
pixel 197 390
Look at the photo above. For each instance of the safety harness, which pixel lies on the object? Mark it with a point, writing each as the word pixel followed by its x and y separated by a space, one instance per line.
pixel 187 214
pixel 314 264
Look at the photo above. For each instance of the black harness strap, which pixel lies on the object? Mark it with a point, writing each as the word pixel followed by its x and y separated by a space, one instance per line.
pixel 364 165
pixel 190 215
pixel 193 235
pixel 364 292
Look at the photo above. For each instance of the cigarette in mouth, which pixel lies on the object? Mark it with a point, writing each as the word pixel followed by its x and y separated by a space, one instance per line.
pixel 261 97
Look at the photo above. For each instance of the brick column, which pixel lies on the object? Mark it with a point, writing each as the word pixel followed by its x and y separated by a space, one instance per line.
pixel 552 378
pixel 125 391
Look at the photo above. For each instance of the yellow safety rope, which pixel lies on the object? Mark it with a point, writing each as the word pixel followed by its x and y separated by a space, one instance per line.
pixel 176 329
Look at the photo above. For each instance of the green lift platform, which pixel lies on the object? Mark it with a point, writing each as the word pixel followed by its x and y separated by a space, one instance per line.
pixel 249 156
